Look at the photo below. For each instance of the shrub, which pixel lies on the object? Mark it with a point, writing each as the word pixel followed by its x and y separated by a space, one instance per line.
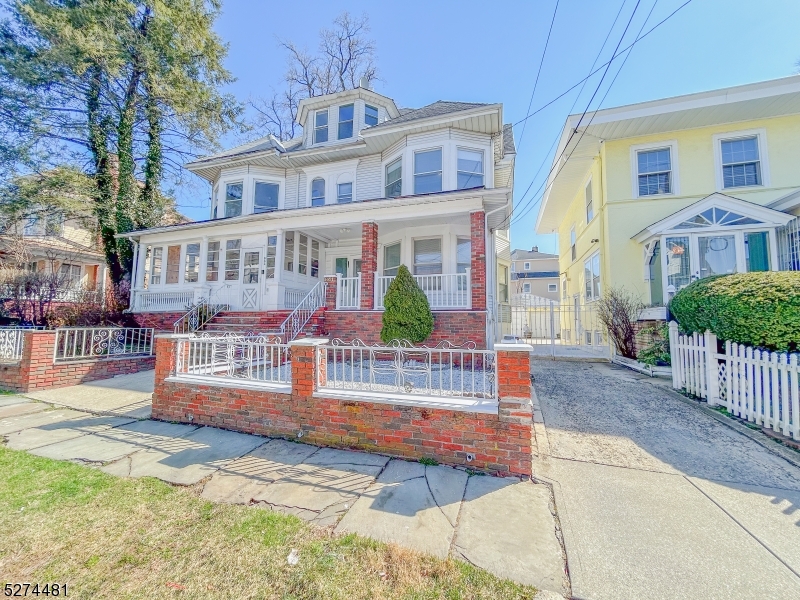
pixel 758 309
pixel 407 314
pixel 618 310
pixel 656 351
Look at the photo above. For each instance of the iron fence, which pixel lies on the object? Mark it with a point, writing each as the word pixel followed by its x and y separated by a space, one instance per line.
pixel 80 343
pixel 11 343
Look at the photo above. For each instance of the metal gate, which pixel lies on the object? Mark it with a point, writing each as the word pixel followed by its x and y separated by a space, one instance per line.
pixel 567 328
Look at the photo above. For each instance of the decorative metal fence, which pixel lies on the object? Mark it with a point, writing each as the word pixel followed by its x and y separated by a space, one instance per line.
pixel 261 359
pixel 402 368
pixel 756 385
pixel 80 343
pixel 11 342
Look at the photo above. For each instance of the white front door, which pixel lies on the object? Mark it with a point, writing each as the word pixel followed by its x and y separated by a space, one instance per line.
pixel 251 279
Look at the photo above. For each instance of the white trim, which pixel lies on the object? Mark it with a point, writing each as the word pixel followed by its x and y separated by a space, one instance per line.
pixel 763 157
pixel 675 180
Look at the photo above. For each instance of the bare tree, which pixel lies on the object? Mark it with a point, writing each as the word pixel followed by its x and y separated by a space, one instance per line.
pixel 619 310
pixel 344 57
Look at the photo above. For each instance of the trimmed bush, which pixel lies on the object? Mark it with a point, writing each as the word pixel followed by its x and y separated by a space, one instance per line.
pixel 407 314
pixel 758 309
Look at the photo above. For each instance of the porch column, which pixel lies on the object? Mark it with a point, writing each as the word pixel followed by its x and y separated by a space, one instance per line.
pixel 369 264
pixel 477 223
pixel 201 279
pixel 140 267
pixel 331 289
pixel 134 276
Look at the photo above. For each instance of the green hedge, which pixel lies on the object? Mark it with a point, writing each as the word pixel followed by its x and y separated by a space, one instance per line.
pixel 758 309
pixel 407 314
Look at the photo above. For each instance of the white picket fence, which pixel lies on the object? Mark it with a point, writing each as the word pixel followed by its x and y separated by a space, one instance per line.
pixel 756 385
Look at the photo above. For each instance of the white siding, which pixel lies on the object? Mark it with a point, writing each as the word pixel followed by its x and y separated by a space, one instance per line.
pixel 368 178
pixel 301 191
pixel 502 176
pixel 394 149
pixel 290 200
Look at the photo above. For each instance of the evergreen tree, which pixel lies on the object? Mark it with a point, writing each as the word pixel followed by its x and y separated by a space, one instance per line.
pixel 407 314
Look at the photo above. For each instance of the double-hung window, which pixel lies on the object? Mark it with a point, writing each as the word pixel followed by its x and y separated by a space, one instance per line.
pixel 394 178
pixel 591 276
pixel 191 267
pixel 391 259
pixel 266 197
pixel 470 169
pixel 428 256
pixel 288 251
pixel 428 171
pixel 526 288
pixel 527 266
pixel 344 193
pixel 233 249
pixel 370 115
pixel 212 262
pixel 314 258
pixel 463 254
pixel 318 192
pixel 573 249
pixel 155 269
pixel 233 199
pixel 70 275
pixel 345 122
pixel 272 251
pixel 654 170
pixel 741 163
pixel 589 202
pixel 302 258
pixel 321 126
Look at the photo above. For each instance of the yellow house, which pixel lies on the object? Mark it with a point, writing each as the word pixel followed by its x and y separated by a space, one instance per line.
pixel 652 196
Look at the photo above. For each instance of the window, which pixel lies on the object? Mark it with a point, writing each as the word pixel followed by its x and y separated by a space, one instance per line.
pixel 591 274
pixel 212 262
pixel 552 287
pixel 428 256
pixel 302 258
pixel 370 115
pixel 526 266
pixel 717 254
pixel 357 262
pixel 678 259
pixel 272 250
pixel 288 251
pixel 266 197
pixel 191 270
pixel 715 216
pixel 741 164
pixel 756 251
pixel 232 255
pixel 428 171
pixel 341 266
pixel 654 172
pixel 394 178
pixel 572 247
pixel 470 169
pixel 155 270
pixel 344 193
pixel 463 254
pixel 233 199
pixel 250 267
pixel 502 284
pixel 70 274
pixel 391 259
pixel 526 288
pixel 513 267
pixel 589 203
pixel 345 122
pixel 318 192
pixel 314 258
pixel 321 126
pixel 173 263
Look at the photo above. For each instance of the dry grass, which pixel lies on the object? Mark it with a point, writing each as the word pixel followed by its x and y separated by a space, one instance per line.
pixel 118 538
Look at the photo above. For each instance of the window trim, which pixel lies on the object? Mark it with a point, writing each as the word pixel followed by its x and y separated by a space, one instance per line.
pixel 383 257
pixel 311 192
pixel 552 285
pixel 526 266
pixel 241 200
pixel 339 194
pixel 674 167
pixel 377 115
pixel 590 259
pixel 761 135
pixel 339 121
pixel 414 169
pixel 590 187
pixel 256 181
pixel 414 241
pixel 526 284
pixel 483 166
pixel 326 127
pixel 386 166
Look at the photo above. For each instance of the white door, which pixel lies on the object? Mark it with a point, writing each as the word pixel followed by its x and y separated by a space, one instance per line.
pixel 251 280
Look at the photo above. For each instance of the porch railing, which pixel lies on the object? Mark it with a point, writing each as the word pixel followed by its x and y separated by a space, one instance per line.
pixel 263 359
pixel 79 343
pixel 348 292
pixel 443 290
pixel 302 314
pixel 197 316
pixel 162 301
pixel 11 342
pixel 293 298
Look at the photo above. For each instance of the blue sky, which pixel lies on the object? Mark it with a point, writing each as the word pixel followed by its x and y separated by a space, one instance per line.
pixel 479 51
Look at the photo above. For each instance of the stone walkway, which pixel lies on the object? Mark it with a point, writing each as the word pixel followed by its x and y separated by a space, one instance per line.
pixel 506 526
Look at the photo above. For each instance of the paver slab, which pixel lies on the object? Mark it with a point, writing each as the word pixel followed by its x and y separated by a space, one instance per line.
pixel 36 419
pixel 195 456
pixel 20 408
pixel 507 528
pixel 399 507
pixel 9 400
pixel 73 425
pixel 243 479
pixel 92 448
pixel 169 437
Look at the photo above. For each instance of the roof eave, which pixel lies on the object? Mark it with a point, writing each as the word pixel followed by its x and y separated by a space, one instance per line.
pixel 388 128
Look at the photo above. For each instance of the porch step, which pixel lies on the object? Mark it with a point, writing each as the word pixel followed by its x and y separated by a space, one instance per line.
pixel 267 322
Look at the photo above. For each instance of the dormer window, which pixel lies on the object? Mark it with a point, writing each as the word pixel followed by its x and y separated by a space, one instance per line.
pixel 370 115
pixel 266 197
pixel 345 121
pixel 233 199
pixel 321 126
pixel 318 192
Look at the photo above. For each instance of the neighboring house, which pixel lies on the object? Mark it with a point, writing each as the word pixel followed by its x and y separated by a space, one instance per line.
pixel 534 272
pixel 655 195
pixel 367 187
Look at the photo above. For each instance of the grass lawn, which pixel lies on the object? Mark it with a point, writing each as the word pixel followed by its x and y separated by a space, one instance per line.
pixel 117 538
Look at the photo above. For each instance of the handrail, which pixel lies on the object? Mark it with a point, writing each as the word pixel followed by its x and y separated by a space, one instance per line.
pixel 302 314
pixel 199 314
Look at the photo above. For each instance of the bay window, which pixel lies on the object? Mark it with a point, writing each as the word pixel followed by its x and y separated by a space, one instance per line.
pixel 233 199
pixel 428 256
pixel 321 126
pixel 266 197
pixel 345 122
pixel 470 168
pixel 428 171
pixel 370 115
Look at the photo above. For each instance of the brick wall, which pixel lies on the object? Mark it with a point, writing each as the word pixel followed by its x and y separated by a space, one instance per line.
pixel 36 370
pixel 160 321
pixel 477 223
pixel 330 292
pixel 453 326
pixel 369 264
pixel 500 442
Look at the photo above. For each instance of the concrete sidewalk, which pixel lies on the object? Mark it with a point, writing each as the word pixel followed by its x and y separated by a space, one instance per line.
pixel 658 499
pixel 503 525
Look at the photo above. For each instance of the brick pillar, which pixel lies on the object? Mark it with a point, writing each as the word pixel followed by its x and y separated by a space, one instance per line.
pixel 515 408
pixel 369 264
pixel 477 226
pixel 165 349
pixel 330 292
pixel 36 366
pixel 306 360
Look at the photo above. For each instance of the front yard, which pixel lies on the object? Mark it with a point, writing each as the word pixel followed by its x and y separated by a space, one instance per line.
pixel 120 538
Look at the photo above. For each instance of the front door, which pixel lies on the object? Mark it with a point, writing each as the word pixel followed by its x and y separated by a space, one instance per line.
pixel 251 278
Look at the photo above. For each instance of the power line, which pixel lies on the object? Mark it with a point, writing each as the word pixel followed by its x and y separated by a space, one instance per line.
pixel 539 72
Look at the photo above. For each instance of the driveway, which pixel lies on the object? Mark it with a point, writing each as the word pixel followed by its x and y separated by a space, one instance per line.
pixel 657 499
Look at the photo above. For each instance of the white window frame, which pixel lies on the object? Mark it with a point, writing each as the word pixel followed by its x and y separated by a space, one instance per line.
pixel 267 181
pixel 673 159
pixel 483 165
pixel 526 287
pixel 311 191
pixel 339 122
pixel 242 211
pixel 441 170
pixel 377 115
pixel 315 128
pixel 424 238
pixel 552 287
pixel 590 260
pixel 526 266
pixel 386 166
pixel 588 186
pixel 763 157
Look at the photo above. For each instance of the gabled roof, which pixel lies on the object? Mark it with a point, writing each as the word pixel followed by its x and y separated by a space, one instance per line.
pixel 717 211
pixel 437 109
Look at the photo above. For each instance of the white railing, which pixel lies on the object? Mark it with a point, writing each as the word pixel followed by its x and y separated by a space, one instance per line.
pixel 443 291
pixel 77 294
pixel 80 343
pixel 11 342
pixel 146 301
pixel 219 357
pixel 197 316
pixel 302 314
pixel 293 298
pixel 756 385
pixel 348 292
pixel 403 369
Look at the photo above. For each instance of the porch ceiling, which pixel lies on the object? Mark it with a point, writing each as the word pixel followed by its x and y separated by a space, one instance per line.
pixel 352 231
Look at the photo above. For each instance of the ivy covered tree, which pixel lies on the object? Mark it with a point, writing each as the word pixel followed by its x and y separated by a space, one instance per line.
pixel 407 314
